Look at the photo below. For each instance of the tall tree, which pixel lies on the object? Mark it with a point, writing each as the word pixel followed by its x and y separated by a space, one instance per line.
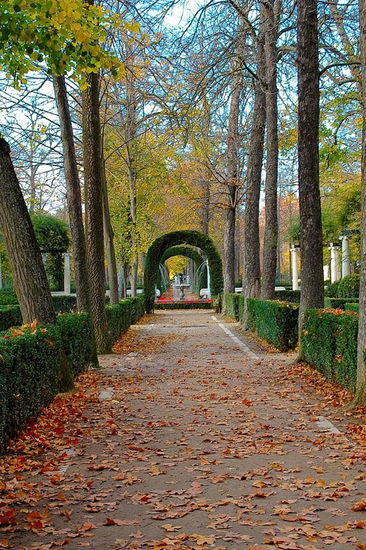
pixel 93 177
pixel 73 195
pixel 311 245
pixel 271 221
pixel 360 397
pixel 232 170
pixel 251 271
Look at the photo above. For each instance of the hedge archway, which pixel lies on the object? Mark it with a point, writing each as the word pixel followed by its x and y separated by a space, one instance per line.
pixel 174 239
pixel 182 250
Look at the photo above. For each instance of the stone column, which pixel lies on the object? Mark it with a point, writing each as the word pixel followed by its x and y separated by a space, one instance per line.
pixel 208 281
pixel 346 264
pixel 67 279
pixel 334 262
pixel 295 273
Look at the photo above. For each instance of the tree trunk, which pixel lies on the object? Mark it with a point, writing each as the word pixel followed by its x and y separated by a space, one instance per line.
pixel 94 210
pixel 232 169
pixel 206 190
pixel 109 244
pixel 73 195
pixel 311 242
pixel 360 397
pixel 29 275
pixel 271 221
pixel 251 268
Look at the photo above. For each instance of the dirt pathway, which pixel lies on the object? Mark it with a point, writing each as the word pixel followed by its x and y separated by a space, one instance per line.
pixel 191 439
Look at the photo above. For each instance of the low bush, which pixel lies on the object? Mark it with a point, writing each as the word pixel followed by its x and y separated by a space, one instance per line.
pixel 77 339
pixel 7 297
pixel 137 308
pixel 329 343
pixel 183 305
pixel 274 321
pixel 64 304
pixel 352 307
pixel 338 303
pixel 10 316
pixel 241 307
pixel 29 376
pixel 349 286
pixel 231 305
pixel 292 296
pixel 119 318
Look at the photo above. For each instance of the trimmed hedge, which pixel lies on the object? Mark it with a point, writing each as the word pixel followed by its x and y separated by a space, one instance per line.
pixel 10 316
pixel 29 376
pixel 348 286
pixel 7 297
pixel 292 296
pixel 329 343
pixel 274 321
pixel 187 237
pixel 137 308
pixel 183 305
pixel 352 307
pixel 231 305
pixel 64 304
pixel 338 303
pixel 77 339
pixel 30 360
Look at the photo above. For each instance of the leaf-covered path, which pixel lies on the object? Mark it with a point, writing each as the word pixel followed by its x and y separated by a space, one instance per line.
pixel 188 439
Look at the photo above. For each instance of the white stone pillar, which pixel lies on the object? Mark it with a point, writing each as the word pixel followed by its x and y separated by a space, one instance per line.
pixel 67 278
pixel 346 264
pixel 208 281
pixel 334 263
pixel 295 273
pixel 326 272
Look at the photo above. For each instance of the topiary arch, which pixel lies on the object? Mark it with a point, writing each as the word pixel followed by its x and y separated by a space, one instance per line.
pixel 182 250
pixel 174 239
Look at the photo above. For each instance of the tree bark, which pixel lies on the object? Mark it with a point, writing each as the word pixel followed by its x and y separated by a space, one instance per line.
pixel 29 275
pixel 73 195
pixel 360 396
pixel 311 242
pixel 232 174
pixel 109 243
pixel 94 210
pixel 205 182
pixel 251 268
pixel 271 221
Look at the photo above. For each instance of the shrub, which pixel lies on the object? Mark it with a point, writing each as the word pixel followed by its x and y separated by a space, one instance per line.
pixel 183 305
pixel 231 308
pixel 7 297
pixel 29 376
pixel 274 321
pixel 76 337
pixel 292 296
pixel 352 307
pixel 349 286
pixel 241 307
pixel 137 308
pixel 331 290
pixel 64 304
pixel 329 343
pixel 10 316
pixel 338 303
pixel 119 318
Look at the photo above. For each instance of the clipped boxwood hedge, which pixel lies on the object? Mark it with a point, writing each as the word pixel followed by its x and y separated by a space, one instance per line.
pixel 274 321
pixel 329 343
pixel 176 238
pixel 7 297
pixel 29 376
pixel 231 305
pixel 338 303
pixel 10 316
pixel 183 305
pixel 137 308
pixel 352 307
pixel 30 360
pixel 292 296
pixel 346 287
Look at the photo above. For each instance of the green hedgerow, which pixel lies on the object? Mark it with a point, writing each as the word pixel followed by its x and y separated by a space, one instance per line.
pixel 275 321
